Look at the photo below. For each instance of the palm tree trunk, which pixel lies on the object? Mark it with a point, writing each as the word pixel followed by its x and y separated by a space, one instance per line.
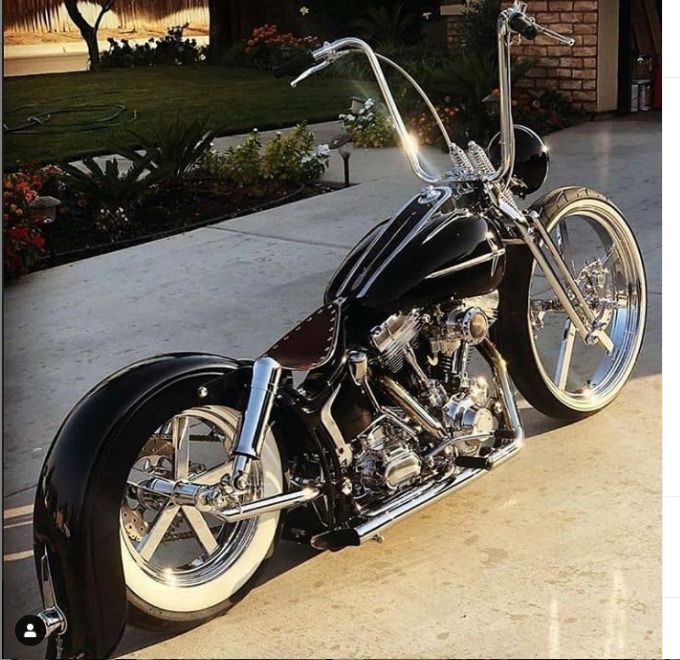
pixel 221 37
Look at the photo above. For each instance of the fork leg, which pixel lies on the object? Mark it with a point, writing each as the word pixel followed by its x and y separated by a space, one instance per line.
pixel 529 226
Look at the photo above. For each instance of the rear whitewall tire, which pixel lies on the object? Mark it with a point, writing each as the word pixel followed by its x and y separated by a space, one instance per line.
pixel 199 602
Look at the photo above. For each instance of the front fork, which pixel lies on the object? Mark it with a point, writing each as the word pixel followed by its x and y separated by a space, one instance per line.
pixel 537 238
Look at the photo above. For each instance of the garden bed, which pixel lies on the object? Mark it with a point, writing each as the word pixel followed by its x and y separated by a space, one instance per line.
pixel 200 201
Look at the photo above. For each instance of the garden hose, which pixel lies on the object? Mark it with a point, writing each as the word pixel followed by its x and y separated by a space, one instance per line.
pixel 40 122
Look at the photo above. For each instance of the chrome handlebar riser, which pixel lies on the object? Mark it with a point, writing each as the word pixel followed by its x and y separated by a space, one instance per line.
pixel 407 141
pixel 464 167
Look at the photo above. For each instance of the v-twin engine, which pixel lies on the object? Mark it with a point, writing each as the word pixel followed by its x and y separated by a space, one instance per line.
pixel 431 412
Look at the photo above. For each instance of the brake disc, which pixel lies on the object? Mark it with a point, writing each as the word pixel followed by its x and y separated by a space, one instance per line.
pixel 157 451
pixel 133 523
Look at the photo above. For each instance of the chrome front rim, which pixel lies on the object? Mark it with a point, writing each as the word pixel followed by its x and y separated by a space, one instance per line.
pixel 179 545
pixel 603 258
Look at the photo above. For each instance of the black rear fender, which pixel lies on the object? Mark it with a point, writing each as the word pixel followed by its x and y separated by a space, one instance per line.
pixel 81 485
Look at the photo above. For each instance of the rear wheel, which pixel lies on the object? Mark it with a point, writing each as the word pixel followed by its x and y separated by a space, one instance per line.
pixel 557 372
pixel 182 565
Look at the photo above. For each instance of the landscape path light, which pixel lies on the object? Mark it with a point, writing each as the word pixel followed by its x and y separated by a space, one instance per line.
pixel 343 143
pixel 45 207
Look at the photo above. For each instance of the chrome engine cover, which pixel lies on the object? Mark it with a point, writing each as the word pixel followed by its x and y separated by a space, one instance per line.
pixel 394 335
pixel 387 461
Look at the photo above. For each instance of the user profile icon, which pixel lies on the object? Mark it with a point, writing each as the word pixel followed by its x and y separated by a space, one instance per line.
pixel 30 630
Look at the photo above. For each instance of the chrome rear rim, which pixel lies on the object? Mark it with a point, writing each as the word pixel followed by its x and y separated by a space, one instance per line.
pixel 603 258
pixel 179 545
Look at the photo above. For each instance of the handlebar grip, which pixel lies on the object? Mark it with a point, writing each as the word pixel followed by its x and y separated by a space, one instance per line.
pixel 294 66
pixel 518 22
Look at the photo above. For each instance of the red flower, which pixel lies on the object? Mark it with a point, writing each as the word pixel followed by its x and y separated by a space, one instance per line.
pixel 20 233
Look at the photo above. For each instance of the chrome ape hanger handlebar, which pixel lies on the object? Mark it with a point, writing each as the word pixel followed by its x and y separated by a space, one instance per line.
pixel 467 166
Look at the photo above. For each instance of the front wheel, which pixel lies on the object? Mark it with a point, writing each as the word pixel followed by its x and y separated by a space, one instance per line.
pixel 182 566
pixel 556 371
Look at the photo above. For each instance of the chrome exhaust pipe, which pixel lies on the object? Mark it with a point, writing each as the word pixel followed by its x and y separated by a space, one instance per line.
pixel 505 391
pixel 402 508
pixel 411 502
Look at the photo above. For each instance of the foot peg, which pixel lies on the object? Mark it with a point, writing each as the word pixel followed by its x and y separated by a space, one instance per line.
pixel 336 539
pixel 474 462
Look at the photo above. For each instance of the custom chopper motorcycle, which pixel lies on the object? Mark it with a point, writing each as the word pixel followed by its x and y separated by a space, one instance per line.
pixel 169 484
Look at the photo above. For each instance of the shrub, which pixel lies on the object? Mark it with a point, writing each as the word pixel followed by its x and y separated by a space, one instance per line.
pixel 267 48
pixel 470 80
pixel 370 126
pixel 388 25
pixel 172 49
pixel 174 145
pixel 22 227
pixel 240 164
pixel 426 130
pixel 290 158
pixel 478 28
pixel 109 193
pixel 417 59
pixel 548 111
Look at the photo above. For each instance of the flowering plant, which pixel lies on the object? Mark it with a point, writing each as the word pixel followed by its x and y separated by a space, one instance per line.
pixel 267 47
pixel 370 126
pixel 22 226
pixel 547 111
pixel 424 127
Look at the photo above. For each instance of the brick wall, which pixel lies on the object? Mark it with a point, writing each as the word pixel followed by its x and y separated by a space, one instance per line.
pixel 571 71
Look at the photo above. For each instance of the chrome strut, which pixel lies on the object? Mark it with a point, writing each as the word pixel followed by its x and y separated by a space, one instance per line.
pixel 253 427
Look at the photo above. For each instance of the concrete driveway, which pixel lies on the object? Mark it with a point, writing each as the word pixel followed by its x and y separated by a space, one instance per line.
pixel 555 555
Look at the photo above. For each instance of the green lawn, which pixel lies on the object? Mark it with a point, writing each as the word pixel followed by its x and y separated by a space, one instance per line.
pixel 236 100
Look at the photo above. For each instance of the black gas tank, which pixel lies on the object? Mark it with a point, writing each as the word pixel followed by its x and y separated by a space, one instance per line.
pixel 430 251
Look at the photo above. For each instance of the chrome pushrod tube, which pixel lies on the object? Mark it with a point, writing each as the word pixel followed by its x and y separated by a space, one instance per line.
pixel 401 396
pixel 329 50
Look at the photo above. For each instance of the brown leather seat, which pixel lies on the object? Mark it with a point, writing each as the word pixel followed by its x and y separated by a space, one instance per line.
pixel 311 343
